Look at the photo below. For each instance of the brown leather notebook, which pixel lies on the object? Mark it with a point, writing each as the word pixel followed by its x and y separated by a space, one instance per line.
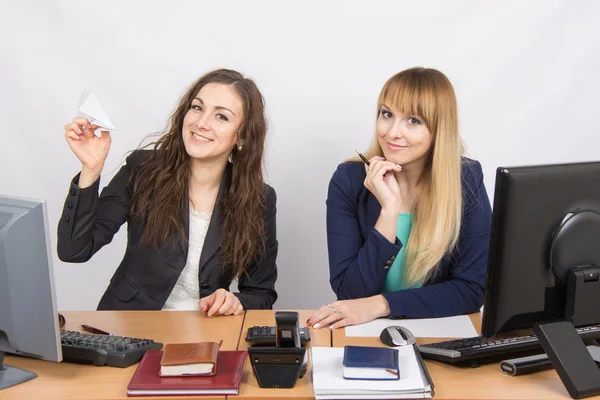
pixel 189 359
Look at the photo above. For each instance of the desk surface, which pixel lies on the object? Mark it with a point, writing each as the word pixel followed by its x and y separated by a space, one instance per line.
pixel 68 381
pixel 485 382
pixel 72 381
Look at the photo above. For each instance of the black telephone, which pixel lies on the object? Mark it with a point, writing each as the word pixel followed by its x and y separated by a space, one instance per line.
pixel 266 335
pixel 283 361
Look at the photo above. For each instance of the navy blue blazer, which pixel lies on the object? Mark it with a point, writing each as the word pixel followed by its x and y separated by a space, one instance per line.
pixel 359 254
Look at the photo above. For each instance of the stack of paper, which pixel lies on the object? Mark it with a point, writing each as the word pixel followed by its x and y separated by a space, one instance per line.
pixel 329 382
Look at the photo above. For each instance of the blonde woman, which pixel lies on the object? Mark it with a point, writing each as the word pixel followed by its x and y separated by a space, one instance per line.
pixel 408 234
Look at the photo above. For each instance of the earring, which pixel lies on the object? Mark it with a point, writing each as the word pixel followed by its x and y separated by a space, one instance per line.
pixel 240 145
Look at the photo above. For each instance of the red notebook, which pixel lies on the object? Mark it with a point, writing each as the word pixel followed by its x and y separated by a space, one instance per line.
pixel 147 382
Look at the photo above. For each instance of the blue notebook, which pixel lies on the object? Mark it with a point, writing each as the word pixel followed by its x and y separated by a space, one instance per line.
pixel 371 363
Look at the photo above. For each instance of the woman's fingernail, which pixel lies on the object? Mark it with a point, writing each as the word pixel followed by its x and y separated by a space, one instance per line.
pixel 331 327
pixel 316 326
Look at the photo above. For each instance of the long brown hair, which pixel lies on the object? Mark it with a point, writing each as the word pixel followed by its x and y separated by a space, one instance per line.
pixel 160 190
pixel 437 213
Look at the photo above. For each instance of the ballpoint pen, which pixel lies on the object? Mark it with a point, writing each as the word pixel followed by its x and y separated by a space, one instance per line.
pixel 92 329
pixel 367 161
pixel 362 157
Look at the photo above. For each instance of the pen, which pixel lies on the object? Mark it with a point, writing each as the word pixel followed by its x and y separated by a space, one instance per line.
pixel 365 158
pixel 92 329
pixel 423 367
pixel 362 157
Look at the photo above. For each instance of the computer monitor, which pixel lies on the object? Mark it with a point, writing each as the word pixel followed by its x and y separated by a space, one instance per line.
pixel 28 315
pixel 544 259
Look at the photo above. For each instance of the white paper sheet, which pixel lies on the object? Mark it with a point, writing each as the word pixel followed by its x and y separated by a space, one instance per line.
pixel 90 108
pixel 449 327
pixel 329 382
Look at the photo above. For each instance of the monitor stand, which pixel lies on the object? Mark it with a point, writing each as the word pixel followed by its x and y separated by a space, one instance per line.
pixel 570 358
pixel 565 349
pixel 11 376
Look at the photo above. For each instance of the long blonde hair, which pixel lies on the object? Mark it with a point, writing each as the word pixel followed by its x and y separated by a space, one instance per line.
pixel 437 212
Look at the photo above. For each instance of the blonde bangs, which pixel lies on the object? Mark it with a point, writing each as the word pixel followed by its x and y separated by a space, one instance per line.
pixel 412 95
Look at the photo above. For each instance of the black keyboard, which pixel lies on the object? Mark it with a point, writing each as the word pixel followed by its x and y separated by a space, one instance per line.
pixel 478 350
pixel 265 335
pixel 114 351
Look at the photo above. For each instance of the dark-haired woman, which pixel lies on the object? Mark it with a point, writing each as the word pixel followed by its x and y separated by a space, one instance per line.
pixel 197 210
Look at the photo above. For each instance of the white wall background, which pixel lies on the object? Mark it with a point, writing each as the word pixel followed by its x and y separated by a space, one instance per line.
pixel 525 73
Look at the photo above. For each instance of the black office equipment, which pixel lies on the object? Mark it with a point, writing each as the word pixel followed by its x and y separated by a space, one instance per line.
pixel 538 362
pixel 526 365
pixel 287 329
pixel 546 221
pixel 479 350
pixel 283 365
pixel 544 258
pixel 573 363
pixel 266 335
pixel 277 367
pixel 110 350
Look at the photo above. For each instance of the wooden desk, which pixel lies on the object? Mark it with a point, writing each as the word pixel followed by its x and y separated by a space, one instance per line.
pixel 485 382
pixel 74 381
pixel 68 381
pixel 303 389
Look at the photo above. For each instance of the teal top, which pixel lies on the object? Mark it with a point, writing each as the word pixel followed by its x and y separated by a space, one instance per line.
pixel 394 280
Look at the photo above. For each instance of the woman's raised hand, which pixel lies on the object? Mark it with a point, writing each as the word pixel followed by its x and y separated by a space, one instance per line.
pixel 90 149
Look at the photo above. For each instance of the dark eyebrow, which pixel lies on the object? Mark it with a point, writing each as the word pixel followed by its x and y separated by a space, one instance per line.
pixel 216 107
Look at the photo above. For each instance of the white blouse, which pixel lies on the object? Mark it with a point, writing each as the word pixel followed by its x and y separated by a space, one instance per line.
pixel 186 292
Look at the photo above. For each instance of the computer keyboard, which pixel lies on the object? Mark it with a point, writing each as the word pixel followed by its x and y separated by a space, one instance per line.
pixel 265 335
pixel 478 350
pixel 114 351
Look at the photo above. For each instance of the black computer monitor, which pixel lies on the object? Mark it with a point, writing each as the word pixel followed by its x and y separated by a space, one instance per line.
pixel 545 227
pixel 28 317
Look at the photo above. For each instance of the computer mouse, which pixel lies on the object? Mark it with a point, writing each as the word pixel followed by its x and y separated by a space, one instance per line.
pixel 396 336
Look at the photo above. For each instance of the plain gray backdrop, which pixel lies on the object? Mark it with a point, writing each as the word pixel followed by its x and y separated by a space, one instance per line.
pixel 525 74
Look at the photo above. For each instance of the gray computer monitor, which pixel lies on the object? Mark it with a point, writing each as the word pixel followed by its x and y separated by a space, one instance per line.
pixel 28 315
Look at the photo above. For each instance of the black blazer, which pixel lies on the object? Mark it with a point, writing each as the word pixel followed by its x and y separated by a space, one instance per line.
pixel 146 276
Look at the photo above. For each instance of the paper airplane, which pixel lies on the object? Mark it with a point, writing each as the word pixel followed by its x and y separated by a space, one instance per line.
pixel 90 107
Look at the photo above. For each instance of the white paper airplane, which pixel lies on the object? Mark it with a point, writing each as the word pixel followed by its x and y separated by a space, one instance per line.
pixel 90 107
